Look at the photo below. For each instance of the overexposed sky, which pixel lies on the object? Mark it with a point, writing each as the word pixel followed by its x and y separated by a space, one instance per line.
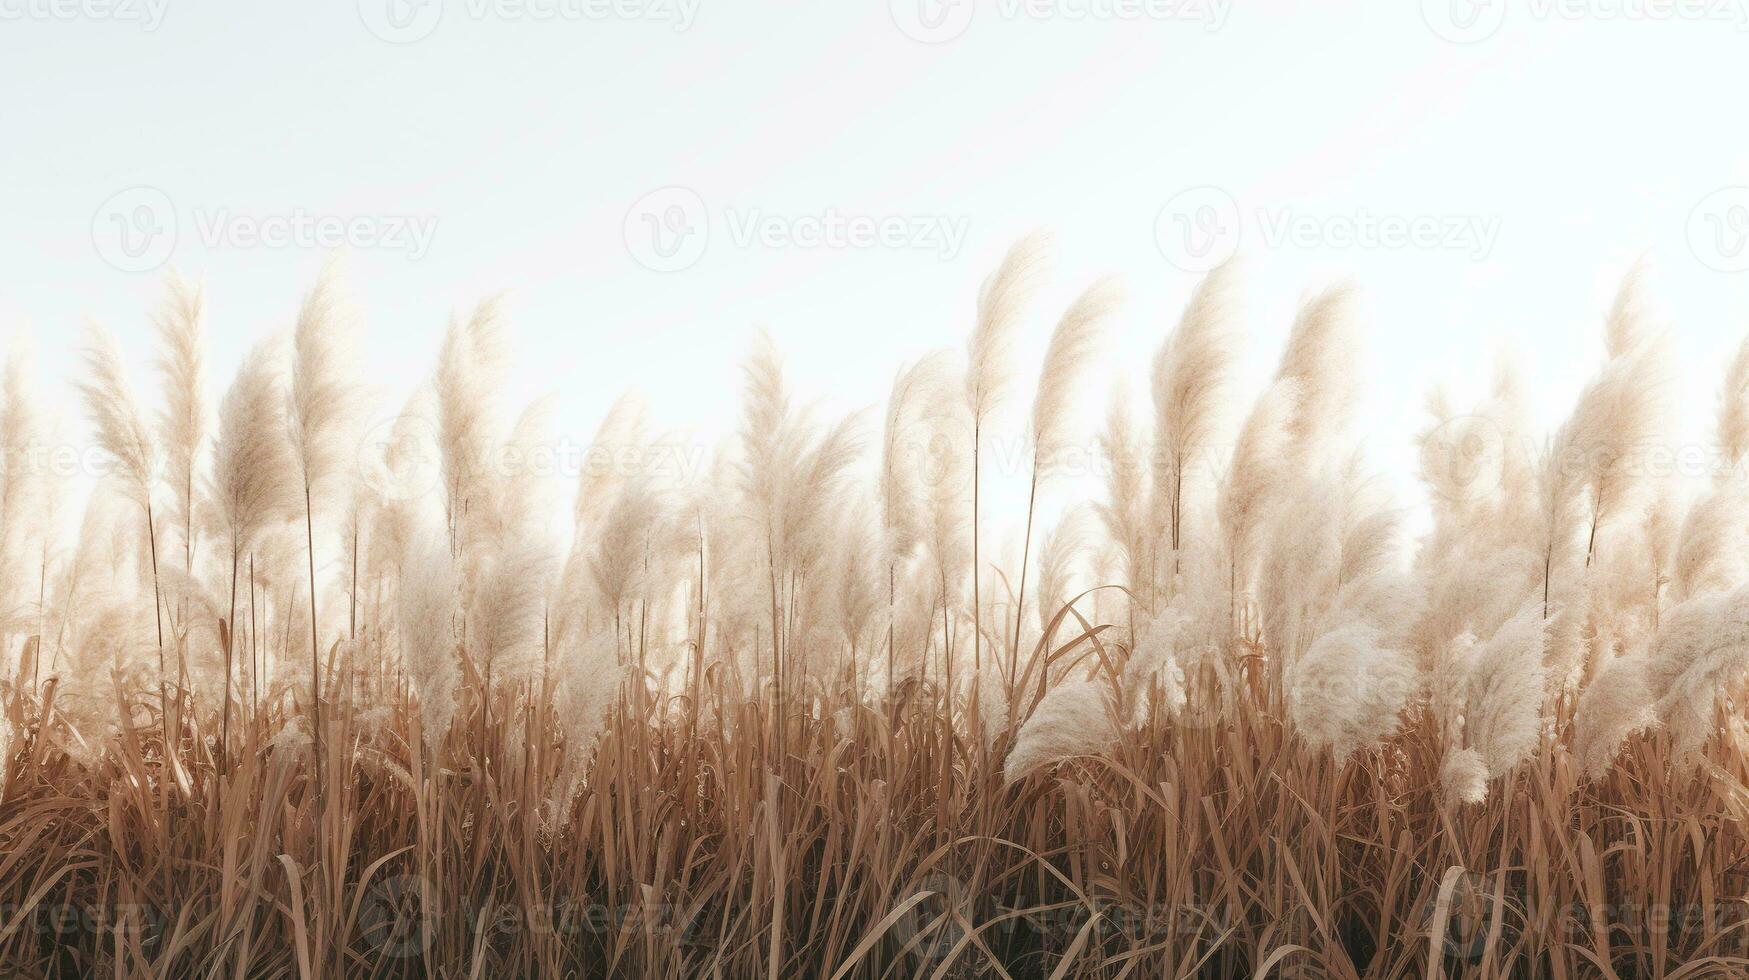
pixel 650 179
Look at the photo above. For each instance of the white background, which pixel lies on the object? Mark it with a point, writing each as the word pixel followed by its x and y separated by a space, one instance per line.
pixel 1589 134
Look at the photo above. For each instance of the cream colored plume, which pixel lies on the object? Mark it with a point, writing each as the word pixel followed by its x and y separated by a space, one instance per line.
pixel 590 680
pixel 1701 653
pixel 1192 383
pixel 1072 348
pixel 1250 491
pixel 1124 512
pixel 322 401
pixel 253 472
pixel 1734 416
pixel 1163 647
pixel 1074 718
pixel 26 493
pixel 1348 690
pixel 505 612
pixel 1710 549
pixel 180 323
pixel 430 645
pixel 115 415
pixel 1060 549
pixel 905 452
pixel 1000 303
pixel 469 367
pixel 1464 776
pixel 1614 706
pixel 1628 323
pixel 1320 360
pixel 1593 474
pixel 1502 691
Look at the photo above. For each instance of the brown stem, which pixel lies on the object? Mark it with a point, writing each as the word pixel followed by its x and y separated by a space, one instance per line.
pixel 315 654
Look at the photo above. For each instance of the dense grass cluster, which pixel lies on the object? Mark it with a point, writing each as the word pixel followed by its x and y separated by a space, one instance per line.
pixel 311 695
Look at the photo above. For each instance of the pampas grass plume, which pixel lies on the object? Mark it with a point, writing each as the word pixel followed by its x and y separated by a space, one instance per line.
pixel 1347 692
pixel 1073 719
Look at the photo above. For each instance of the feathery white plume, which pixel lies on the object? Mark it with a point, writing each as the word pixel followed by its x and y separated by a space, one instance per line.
pixel 1615 705
pixel 1192 379
pixel 429 645
pixel 1074 718
pixel 1348 690
pixel 1000 302
pixel 1700 653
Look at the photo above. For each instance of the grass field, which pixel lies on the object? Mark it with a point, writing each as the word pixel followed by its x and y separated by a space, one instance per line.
pixel 797 717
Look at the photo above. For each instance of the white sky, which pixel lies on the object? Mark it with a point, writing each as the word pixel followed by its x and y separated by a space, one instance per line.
pixel 1582 134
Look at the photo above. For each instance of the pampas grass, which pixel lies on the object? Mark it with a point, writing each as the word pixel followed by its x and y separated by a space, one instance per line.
pixel 1499 687
pixel 182 425
pixel 743 723
pixel 1000 302
pixel 1191 387
pixel 121 433
pixel 252 478
pixel 1074 719
pixel 1070 352
pixel 27 493
pixel 320 409
pixel 1700 654
pixel 1348 689
pixel 430 646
